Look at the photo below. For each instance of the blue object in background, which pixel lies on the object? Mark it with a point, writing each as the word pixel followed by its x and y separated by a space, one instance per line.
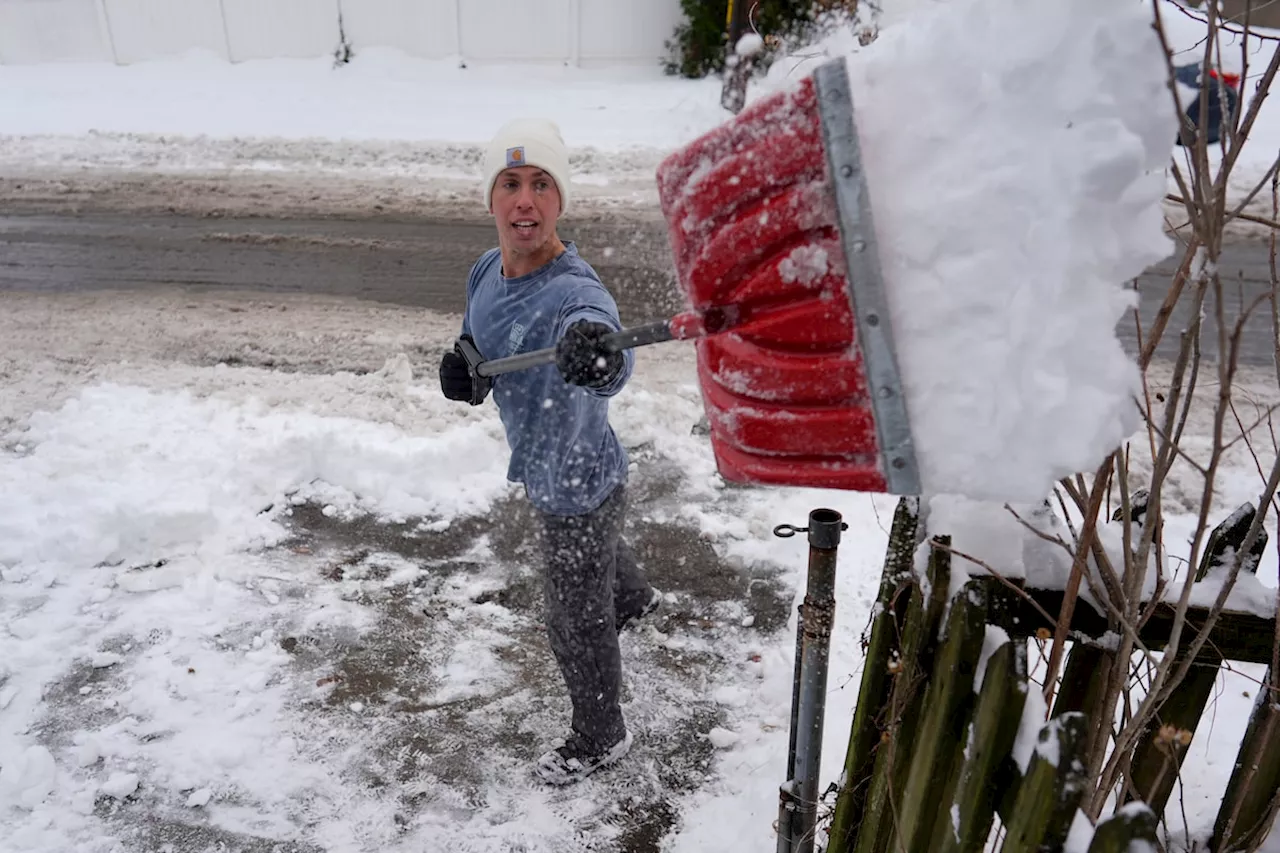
pixel 1219 87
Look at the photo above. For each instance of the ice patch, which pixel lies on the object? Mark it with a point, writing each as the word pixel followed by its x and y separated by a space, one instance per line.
pixel 722 738
pixel 199 798
pixel 120 785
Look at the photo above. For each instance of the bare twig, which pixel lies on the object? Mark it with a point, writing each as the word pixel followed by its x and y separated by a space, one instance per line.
pixel 1022 593
pixel 1078 568
pixel 1275 328
pixel 1247 217
pixel 1261 419
pixel 1173 446
pixel 1238 213
pixel 1053 540
pixel 1190 13
pixel 1165 311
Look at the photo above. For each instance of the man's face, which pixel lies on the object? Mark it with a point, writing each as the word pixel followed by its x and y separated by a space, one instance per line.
pixel 526 204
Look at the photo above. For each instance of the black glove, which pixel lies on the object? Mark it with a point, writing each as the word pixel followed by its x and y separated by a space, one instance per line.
pixel 458 382
pixel 582 359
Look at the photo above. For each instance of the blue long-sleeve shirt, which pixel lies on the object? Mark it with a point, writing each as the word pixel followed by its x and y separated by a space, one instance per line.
pixel 562 447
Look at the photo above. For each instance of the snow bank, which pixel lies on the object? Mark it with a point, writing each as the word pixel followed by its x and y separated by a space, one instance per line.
pixel 202 473
pixel 381 98
pixel 1015 191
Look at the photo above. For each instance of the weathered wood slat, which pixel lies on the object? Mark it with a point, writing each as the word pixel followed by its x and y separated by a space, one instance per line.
pixel 992 731
pixel 939 743
pixel 1227 538
pixel 876 833
pixel 1084 683
pixel 1157 760
pixel 1244 637
pixel 893 752
pixel 1135 822
pixel 1051 791
pixel 1248 809
pixel 874 692
pixel 1082 688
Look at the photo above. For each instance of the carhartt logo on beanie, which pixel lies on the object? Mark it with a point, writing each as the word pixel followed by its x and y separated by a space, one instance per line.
pixel 528 142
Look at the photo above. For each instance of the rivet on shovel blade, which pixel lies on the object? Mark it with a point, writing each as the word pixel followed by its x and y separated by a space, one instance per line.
pixel 846 171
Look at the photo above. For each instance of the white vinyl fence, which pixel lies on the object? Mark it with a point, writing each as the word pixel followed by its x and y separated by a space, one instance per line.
pixel 574 32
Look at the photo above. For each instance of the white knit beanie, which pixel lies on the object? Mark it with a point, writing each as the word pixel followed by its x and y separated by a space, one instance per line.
pixel 528 142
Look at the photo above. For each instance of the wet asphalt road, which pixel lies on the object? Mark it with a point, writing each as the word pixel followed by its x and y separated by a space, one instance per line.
pixel 425 263
pixel 417 263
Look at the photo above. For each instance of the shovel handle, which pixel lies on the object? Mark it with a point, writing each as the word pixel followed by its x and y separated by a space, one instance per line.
pixel 653 333
pixel 710 320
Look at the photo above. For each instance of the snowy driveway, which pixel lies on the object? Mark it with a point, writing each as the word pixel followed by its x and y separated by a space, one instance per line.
pixel 297 608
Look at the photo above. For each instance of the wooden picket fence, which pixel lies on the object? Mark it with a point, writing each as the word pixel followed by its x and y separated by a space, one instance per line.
pixel 931 761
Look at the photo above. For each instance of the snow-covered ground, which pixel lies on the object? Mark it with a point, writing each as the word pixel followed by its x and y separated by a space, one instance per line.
pixel 411 127
pixel 297 604
pixel 262 587
pixel 304 607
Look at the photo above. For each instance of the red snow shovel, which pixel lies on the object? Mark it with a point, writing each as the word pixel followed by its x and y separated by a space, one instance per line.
pixel 770 226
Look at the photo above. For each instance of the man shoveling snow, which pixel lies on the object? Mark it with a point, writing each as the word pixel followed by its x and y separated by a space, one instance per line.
pixel 998 403
pixel 534 292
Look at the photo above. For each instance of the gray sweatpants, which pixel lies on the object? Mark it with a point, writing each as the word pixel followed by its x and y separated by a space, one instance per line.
pixel 591 578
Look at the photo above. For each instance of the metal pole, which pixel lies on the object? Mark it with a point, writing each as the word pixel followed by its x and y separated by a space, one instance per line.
pixel 733 91
pixel 575 33
pixel 226 29
pixel 825 526
pixel 787 793
pixel 457 32
pixel 104 20
pixel 798 795
pixel 735 21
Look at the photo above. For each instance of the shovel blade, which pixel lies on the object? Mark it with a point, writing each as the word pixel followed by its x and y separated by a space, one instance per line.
pixel 754 221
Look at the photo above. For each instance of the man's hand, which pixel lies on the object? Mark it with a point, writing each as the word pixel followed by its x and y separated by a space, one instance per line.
pixel 582 359
pixel 457 381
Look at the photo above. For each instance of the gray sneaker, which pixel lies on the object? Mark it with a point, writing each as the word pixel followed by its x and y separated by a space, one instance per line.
pixel 575 761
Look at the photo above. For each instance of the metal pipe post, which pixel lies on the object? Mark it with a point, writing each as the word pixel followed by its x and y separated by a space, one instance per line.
pixel 787 793
pixel 825 527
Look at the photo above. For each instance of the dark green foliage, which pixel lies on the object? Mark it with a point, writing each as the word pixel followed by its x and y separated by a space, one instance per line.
pixel 697 47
